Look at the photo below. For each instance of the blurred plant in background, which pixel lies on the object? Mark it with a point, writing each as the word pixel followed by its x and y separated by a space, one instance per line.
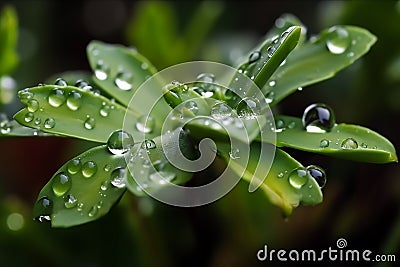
pixel 362 203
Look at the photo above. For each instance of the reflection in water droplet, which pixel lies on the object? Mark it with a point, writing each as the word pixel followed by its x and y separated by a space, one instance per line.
pixel 298 178
pixel 89 123
pixel 37 121
pixel 32 105
pixel 79 207
pixel 254 57
pixel 89 169
pixel 349 143
pixel 248 108
pixel 61 184
pixel 145 124
pixel 49 123
pixel 324 143
pixel 70 202
pixel 60 82
pixel 74 100
pixel 29 117
pixel 74 166
pixel 318 174
pixel 364 145
pixel 56 97
pixel 120 142
pixel 221 111
pixel 46 208
pixel 318 118
pixel 271 83
pixel 338 40
pixel 123 81
pixel 101 70
pixel 118 177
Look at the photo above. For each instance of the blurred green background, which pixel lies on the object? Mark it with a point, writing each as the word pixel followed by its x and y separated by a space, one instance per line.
pixel 362 201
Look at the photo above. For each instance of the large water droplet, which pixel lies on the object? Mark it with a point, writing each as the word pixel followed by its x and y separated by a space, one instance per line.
pixel 74 100
pixel 89 169
pixel 70 202
pixel 221 111
pixel 145 124
pixel 318 174
pixel 60 82
pixel 318 118
pixel 29 117
pixel 248 108
pixel 120 142
pixel 148 144
pixel 324 143
pixel 254 57
pixel 49 123
pixel 338 40
pixel 46 209
pixel 89 123
pixel 349 143
pixel 74 166
pixel 118 177
pixel 101 71
pixel 32 105
pixel 56 97
pixel 123 81
pixel 61 184
pixel 298 177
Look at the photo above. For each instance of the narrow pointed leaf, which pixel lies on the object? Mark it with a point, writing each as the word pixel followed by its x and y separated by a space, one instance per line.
pixel 319 59
pixel 81 190
pixel 8 37
pixel 343 141
pixel 276 185
pixel 71 111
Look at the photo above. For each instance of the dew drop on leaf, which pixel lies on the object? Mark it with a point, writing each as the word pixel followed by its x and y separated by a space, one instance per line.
pixel 123 81
pixel 61 184
pixel 349 143
pixel 324 143
pixel 49 123
pixel 74 100
pixel 74 166
pixel 70 202
pixel 254 57
pixel 84 85
pixel 46 208
pixel 89 169
pixel 89 123
pixel 119 142
pixel 298 177
pixel 56 97
pixel 318 118
pixel 60 82
pixel 221 111
pixel 145 124
pixel 101 71
pixel 118 177
pixel 364 145
pixel 248 108
pixel 29 117
pixel 93 211
pixel 338 40
pixel 318 174
pixel 32 105
pixel 269 97
pixel 37 121
pixel 148 144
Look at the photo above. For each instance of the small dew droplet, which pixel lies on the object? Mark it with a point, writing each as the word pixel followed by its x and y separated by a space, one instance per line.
pixel 49 123
pixel 29 117
pixel 248 108
pixel 148 144
pixel 145 124
pixel 254 57
pixel 60 82
pixel 221 111
pixel 349 143
pixel 61 184
pixel 93 211
pixel 324 143
pixel 101 71
pixel 118 177
pixel 89 169
pixel 89 123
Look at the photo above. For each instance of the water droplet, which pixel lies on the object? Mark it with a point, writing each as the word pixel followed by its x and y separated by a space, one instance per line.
pixel 80 207
pixel 205 77
pixel 280 175
pixel 324 143
pixel 123 81
pixel 272 83
pixel 84 85
pixel 318 174
pixel 318 118
pixel 107 167
pixel 148 144
pixel 269 97
pixel 56 97
pixel 49 123
pixel 29 117
pixel 191 106
pixel 280 124
pixel 271 50
pixel 37 121
pixel 70 202
pixel 89 123
pixel 221 111
pixel 61 184
pixel 25 95
pixel 93 211
pixel 144 66
pixel 248 108
pixel 74 166
pixel 74 100
pixel 118 177
pixel 145 124
pixel 104 110
pixel 89 169
pixel 32 105
pixel 101 71
pixel 254 57
pixel 300 88
pixel 284 35
pixel 104 185
pixel 338 40
pixel 120 142
pixel 349 143
pixel 364 145
pixel 234 153
pixel 298 177
pixel 162 177
pixel 46 208
pixel 60 82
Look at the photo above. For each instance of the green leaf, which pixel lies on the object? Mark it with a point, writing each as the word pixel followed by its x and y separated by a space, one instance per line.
pixel 8 37
pixel 284 22
pixel 81 190
pixel 152 169
pixel 112 63
pixel 13 128
pixel 313 61
pixel 71 111
pixel 272 52
pixel 365 145
pixel 275 185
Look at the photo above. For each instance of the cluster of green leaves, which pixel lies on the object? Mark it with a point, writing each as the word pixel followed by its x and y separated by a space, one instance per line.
pixel 87 186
